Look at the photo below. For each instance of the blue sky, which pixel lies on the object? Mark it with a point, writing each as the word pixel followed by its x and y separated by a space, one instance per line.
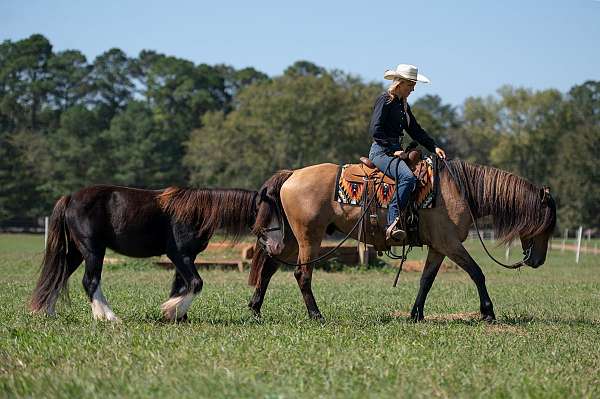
pixel 467 48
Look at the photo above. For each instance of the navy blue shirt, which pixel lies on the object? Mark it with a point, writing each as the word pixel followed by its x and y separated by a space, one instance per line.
pixel 389 121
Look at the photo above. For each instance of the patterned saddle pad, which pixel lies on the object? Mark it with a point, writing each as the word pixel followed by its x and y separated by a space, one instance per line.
pixel 352 182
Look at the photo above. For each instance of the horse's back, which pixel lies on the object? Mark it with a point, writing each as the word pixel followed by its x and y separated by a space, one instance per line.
pixel 311 182
pixel 127 220
pixel 307 195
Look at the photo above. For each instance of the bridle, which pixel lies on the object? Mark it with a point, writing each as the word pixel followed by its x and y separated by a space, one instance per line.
pixel 262 235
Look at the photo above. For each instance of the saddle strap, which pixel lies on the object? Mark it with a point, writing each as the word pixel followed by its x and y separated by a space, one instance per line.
pixel 372 215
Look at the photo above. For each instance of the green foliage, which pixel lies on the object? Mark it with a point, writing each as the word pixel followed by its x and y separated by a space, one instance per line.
pixel 21 175
pixel 477 135
pixel 576 179
pixel 69 72
pixel 75 153
pixel 286 122
pixel 112 82
pixel 529 132
pixel 304 68
pixel 25 81
pixel 438 119
pixel 146 154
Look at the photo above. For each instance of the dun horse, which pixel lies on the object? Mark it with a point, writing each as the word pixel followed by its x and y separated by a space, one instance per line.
pixel 140 223
pixel 306 199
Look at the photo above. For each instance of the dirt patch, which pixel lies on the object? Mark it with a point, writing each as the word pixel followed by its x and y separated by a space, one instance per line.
pixel 417 266
pixel 114 261
pixel 468 316
pixel 495 328
pixel 572 247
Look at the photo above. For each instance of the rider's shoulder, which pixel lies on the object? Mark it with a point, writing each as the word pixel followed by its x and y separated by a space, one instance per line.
pixel 383 98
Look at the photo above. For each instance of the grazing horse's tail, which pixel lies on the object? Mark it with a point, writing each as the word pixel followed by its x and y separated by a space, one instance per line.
pixel 54 269
pixel 269 202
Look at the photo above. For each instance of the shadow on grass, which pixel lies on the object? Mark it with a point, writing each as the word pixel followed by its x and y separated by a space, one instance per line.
pixel 156 318
pixel 522 320
pixel 474 318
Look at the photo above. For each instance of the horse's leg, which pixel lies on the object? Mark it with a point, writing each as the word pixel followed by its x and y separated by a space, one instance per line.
pixel 268 269
pixel 430 270
pixel 186 285
pixel 303 276
pixel 178 288
pixel 94 257
pixel 461 257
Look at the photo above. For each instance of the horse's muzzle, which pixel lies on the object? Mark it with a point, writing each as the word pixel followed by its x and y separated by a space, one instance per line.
pixel 274 247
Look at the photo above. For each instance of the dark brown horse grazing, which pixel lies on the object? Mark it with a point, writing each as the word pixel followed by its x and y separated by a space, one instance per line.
pixel 140 223
pixel 306 197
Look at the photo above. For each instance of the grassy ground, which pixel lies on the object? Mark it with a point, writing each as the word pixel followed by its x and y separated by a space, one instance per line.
pixel 546 342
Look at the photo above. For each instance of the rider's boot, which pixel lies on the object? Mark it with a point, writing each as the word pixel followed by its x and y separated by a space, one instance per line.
pixel 394 234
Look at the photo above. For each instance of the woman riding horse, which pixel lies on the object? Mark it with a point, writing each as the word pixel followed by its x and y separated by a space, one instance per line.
pixel 392 115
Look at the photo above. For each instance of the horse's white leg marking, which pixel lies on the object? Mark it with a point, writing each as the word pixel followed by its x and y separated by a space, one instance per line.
pixel 176 307
pixel 100 308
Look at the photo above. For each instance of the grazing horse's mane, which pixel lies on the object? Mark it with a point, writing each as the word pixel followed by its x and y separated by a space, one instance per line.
pixel 232 210
pixel 268 202
pixel 269 199
pixel 518 207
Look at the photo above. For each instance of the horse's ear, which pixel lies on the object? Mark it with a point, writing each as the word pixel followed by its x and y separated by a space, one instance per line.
pixel 262 195
pixel 545 194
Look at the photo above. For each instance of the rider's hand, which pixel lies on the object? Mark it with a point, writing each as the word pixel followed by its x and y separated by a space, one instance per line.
pixel 440 152
pixel 398 153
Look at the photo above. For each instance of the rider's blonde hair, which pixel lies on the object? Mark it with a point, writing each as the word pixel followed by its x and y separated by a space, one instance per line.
pixel 391 91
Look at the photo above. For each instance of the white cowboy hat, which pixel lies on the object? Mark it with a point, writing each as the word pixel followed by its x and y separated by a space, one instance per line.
pixel 405 71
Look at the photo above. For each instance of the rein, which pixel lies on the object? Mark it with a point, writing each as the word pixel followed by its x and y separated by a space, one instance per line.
pixel 466 196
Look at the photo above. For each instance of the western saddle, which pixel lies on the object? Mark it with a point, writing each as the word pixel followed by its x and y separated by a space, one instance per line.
pixel 370 178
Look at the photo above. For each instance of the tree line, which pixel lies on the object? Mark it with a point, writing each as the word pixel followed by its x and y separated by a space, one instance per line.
pixel 156 120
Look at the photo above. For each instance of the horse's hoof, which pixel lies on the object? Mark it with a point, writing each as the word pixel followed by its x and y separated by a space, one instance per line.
pixel 111 318
pixel 416 315
pixel 490 318
pixel 170 318
pixel 317 317
pixel 416 318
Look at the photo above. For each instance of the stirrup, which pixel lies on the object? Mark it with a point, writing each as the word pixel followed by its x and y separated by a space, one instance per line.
pixel 393 233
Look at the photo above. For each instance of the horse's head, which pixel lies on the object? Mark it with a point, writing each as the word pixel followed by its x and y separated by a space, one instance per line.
pixel 535 246
pixel 270 224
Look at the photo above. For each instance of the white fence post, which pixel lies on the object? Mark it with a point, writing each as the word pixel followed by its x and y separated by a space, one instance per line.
pixel 579 231
pixel 507 253
pixel 45 231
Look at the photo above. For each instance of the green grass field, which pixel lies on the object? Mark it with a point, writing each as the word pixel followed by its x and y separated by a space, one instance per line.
pixel 546 342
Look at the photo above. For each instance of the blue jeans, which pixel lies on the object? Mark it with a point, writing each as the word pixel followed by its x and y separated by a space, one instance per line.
pixel 399 171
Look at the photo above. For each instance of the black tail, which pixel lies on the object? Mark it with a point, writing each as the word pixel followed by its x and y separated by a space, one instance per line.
pixel 268 202
pixel 54 273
